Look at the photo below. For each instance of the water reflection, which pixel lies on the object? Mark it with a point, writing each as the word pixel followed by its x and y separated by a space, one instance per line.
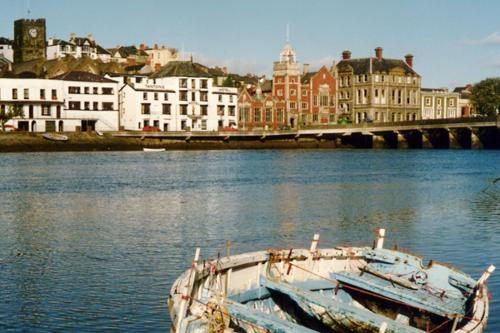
pixel 93 241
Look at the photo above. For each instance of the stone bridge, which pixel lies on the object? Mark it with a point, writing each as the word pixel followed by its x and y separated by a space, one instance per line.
pixel 467 133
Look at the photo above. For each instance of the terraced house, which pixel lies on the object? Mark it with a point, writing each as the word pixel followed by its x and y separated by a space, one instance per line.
pixel 377 89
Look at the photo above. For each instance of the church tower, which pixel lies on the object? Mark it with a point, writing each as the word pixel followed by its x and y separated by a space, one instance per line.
pixel 29 40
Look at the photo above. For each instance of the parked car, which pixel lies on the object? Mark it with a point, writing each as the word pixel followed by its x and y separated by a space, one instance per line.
pixel 10 128
pixel 151 129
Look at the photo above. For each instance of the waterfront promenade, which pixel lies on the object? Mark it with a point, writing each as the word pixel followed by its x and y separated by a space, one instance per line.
pixel 466 133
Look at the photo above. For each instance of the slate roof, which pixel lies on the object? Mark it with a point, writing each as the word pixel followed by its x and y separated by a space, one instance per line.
pixel 182 68
pixel 5 41
pixel 60 42
pixel 307 77
pixel 82 77
pixel 362 65
pixel 102 50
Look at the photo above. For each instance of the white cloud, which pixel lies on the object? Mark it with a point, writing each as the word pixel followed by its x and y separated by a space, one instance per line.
pixel 493 38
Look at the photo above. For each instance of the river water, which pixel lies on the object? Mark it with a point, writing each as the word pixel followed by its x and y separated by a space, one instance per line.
pixel 92 242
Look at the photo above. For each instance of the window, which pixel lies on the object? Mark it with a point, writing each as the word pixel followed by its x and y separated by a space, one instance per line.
pixel 145 96
pixel 203 96
pixel 74 105
pixel 220 110
pixel 145 108
pixel 95 90
pixel 315 118
pixel 292 105
pixel 14 93
pixel 279 115
pixel 26 94
pixel 220 98
pixel 107 106
pixel 315 100
pixel 95 106
pixel 155 96
pixel 107 91
pixel 280 92
pixel 323 101
pixel 304 105
pixel 204 110
pixel 165 96
pixel 204 84
pixel 146 122
pixel 439 101
pixel 86 90
pixel 183 83
pixel 45 110
pixel 193 84
pixel 193 96
pixel 54 94
pixel 293 92
pixel 166 108
pixel 232 111
pixel 74 90
pixel 451 102
pixel 183 96
pixel 269 115
pixel 231 98
pixel 86 105
pixel 184 109
pixel 257 115
pixel 304 92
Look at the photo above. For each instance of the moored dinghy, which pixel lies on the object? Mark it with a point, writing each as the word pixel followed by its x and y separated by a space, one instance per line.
pixel 355 289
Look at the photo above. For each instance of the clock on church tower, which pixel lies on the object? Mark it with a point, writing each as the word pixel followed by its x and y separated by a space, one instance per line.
pixel 29 40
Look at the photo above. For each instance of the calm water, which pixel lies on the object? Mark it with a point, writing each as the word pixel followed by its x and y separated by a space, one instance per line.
pixel 92 241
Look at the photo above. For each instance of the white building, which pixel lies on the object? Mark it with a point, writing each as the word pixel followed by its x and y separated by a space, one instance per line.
pixel 76 47
pixel 145 104
pixel 439 104
pixel 70 102
pixel 201 105
pixel 6 49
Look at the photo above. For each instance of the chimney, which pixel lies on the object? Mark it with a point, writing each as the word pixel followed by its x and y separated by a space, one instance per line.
pixel 306 69
pixel 155 46
pixel 378 53
pixel 90 37
pixel 50 42
pixel 72 36
pixel 346 55
pixel 142 47
pixel 409 60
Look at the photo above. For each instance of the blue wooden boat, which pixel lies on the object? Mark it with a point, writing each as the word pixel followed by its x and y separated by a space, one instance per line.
pixel 343 289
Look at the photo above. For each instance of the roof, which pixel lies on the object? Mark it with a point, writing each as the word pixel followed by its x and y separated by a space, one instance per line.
pixel 306 78
pixel 362 65
pixel 82 77
pixel 5 41
pixel 80 41
pixel 267 86
pixel 102 50
pixel 60 42
pixel 182 68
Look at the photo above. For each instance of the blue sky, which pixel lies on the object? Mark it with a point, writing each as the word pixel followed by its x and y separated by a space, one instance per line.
pixel 454 42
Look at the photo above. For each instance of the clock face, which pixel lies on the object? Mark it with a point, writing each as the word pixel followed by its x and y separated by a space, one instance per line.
pixel 33 32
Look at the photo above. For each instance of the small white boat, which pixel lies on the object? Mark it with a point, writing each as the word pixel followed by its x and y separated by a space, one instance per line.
pixel 341 289
pixel 153 150
pixel 99 133
pixel 55 137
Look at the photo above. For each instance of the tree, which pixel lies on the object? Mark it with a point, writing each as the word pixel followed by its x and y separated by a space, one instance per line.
pixel 228 82
pixel 486 96
pixel 14 110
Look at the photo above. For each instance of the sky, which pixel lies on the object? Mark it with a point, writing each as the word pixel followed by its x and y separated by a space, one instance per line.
pixel 454 42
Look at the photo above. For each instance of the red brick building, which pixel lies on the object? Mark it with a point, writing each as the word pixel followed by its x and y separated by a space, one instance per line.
pixel 292 99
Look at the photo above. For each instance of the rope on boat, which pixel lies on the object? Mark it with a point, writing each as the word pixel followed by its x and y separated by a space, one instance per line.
pixel 338 285
pixel 225 313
